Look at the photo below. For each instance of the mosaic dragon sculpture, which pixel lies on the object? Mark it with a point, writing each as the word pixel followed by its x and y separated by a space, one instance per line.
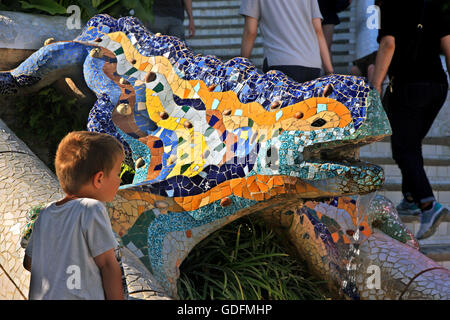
pixel 212 141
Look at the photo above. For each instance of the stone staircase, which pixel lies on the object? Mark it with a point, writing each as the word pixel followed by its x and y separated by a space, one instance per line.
pixel 219 29
pixel 436 153
pixel 437 167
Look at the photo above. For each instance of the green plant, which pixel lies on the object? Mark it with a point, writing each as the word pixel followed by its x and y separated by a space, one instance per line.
pixel 45 118
pixel 127 174
pixel 244 261
pixel 116 8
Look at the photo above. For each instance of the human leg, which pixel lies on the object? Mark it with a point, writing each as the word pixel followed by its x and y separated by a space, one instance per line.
pixel 370 72
pixel 406 114
pixel 432 211
pixel 160 24
pixel 328 31
pixel 176 28
pixel 364 65
pixel 330 20
pixel 354 71
pixel 415 106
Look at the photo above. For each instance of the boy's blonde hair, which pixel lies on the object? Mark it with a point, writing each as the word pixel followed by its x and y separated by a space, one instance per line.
pixel 81 154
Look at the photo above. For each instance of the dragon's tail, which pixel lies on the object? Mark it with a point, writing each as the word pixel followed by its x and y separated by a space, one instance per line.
pixel 45 66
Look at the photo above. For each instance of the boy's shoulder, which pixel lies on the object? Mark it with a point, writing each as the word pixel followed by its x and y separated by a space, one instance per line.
pixel 91 208
pixel 88 206
pixel 78 204
pixel 91 203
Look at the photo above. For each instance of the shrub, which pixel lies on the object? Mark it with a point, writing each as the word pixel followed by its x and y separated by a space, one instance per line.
pixel 245 261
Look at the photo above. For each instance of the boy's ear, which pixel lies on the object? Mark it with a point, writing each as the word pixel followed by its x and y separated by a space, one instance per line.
pixel 97 180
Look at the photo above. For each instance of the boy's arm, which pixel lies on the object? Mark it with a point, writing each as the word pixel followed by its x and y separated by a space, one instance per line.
pixel 27 262
pixel 323 47
pixel 111 275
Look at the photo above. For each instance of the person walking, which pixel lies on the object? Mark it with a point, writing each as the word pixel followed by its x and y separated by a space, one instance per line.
pixel 292 33
pixel 169 18
pixel 409 53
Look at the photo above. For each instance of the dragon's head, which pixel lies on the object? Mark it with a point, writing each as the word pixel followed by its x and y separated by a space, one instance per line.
pixel 194 123
pixel 196 127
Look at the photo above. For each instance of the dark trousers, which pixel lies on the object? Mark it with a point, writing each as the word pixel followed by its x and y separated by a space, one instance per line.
pixel 411 109
pixel 297 73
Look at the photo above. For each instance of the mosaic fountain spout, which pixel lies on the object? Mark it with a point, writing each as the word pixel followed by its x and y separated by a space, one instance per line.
pixel 213 141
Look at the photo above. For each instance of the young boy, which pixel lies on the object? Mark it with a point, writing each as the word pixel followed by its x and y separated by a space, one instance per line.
pixel 71 250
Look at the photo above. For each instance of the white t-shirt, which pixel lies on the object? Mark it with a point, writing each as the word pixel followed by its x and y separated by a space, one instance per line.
pixel 287 30
pixel 63 244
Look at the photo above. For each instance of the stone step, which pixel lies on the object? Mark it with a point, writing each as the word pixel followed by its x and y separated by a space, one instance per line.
pixel 211 33
pixel 230 11
pixel 441 190
pixel 212 4
pixel 230 41
pixel 438 253
pixel 440 237
pixel 226 51
pixel 383 150
pixel 234 20
pixel 235 40
pixel 433 161
pixel 438 186
pixel 393 192
pixel 219 28
pixel 437 164
pixel 213 21
pixel 436 247
pixel 220 4
pixel 340 62
pixel 216 13
pixel 439 175
pixel 436 152
pixel 206 33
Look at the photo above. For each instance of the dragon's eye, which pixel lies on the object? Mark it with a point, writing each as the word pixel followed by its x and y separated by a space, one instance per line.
pixel 328 90
pixel 150 77
pixel 140 163
pixel 318 123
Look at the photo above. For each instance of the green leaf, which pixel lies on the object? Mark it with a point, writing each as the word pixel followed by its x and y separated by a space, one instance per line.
pixel 142 12
pixel 107 6
pixel 49 6
pixel 87 7
pixel 260 270
pixel 96 3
